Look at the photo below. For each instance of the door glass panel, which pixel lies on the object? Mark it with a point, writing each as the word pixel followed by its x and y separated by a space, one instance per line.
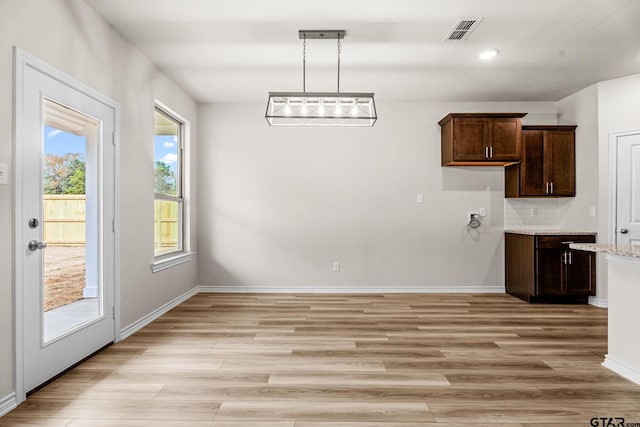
pixel 71 288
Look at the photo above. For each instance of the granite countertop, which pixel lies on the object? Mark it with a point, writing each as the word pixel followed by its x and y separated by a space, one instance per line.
pixel 549 232
pixel 624 250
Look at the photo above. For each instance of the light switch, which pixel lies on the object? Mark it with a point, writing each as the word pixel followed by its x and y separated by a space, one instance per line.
pixel 592 211
pixel 482 211
pixel 420 198
pixel 4 179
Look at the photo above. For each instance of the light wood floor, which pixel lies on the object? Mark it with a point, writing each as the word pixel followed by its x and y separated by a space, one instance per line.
pixel 236 360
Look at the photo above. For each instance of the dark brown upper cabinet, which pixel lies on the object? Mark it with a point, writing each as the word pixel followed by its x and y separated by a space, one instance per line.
pixel 481 139
pixel 548 166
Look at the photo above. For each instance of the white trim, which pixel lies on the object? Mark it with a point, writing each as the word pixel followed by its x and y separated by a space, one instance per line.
pixel 354 290
pixel 116 225
pixel 163 263
pixel 629 372
pixel 613 186
pixel 598 302
pixel 21 60
pixel 8 404
pixel 144 321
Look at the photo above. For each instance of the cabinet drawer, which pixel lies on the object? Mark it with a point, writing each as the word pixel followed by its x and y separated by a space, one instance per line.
pixel 559 242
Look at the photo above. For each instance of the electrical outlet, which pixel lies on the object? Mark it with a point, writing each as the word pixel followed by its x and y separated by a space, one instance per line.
pixel 420 198
pixel 534 212
pixel 4 179
pixel 336 266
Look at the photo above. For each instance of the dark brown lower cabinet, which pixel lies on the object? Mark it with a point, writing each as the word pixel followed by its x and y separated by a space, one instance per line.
pixel 542 268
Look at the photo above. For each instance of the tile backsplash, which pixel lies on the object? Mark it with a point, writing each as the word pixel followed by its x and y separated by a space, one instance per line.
pixel 534 213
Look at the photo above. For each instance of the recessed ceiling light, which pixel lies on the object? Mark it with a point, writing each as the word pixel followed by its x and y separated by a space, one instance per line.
pixel 488 54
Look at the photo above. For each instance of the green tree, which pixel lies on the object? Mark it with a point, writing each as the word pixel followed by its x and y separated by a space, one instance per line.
pixel 165 182
pixel 77 178
pixel 64 174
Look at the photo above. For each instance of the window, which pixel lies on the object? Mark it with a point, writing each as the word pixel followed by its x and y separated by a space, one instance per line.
pixel 168 223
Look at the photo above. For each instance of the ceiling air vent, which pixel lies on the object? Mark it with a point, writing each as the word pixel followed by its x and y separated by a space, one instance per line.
pixel 462 29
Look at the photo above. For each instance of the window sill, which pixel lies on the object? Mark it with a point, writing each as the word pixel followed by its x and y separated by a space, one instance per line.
pixel 170 261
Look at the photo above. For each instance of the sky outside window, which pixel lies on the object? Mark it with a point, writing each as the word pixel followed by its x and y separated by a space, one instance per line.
pixel 59 142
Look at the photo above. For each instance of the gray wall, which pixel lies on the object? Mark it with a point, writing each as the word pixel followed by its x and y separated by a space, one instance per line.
pixel 72 37
pixel 278 205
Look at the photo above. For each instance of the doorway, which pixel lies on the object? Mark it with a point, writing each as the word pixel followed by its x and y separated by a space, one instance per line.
pixel 625 194
pixel 64 223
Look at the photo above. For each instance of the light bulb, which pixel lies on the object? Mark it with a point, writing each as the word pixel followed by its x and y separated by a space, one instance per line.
pixel 287 109
pixel 304 109
pixel 488 54
pixel 321 108
pixel 338 109
pixel 354 110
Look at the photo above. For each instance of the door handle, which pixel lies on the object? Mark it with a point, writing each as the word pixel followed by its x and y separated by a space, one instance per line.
pixel 624 230
pixel 34 245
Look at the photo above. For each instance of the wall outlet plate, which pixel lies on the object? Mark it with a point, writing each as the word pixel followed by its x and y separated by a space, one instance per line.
pixel 4 171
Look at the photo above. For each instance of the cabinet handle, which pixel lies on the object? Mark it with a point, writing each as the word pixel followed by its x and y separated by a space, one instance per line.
pixel 491 152
pixel 546 188
pixel 570 258
pixel 486 152
pixel 564 257
pixel 552 187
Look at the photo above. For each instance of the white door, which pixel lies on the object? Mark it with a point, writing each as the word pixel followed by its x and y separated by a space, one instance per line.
pixel 65 208
pixel 628 189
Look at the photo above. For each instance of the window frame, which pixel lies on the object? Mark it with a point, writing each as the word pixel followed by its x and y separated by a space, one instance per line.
pixel 182 254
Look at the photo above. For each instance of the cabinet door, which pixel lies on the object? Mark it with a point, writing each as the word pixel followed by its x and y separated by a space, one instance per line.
pixel 560 162
pixel 532 180
pixel 581 275
pixel 549 272
pixel 505 139
pixel 471 136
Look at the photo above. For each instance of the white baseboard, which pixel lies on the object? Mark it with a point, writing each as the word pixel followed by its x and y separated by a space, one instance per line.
pixel 8 404
pixel 136 326
pixel 598 302
pixel 622 369
pixel 354 290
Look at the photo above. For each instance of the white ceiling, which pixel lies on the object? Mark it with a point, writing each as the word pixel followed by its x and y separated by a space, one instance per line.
pixel 238 50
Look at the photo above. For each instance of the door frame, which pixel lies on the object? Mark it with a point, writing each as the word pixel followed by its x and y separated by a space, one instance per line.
pixel 22 60
pixel 613 180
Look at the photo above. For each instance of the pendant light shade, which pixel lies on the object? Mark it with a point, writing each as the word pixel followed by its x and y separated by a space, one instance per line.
pixel 320 108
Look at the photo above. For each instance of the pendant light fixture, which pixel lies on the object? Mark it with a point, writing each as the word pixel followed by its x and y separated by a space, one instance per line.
pixel 320 108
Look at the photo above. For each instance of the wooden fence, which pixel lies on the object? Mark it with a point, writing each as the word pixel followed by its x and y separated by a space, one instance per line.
pixel 64 221
pixel 165 227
